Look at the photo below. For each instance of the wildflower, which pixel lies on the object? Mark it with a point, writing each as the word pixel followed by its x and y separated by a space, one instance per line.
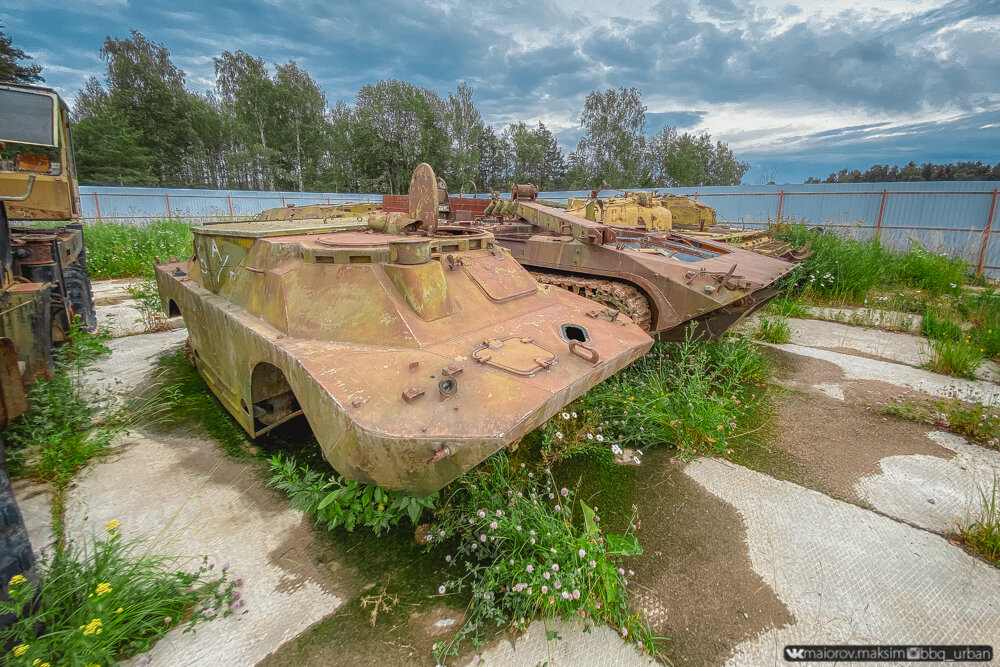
pixel 624 631
pixel 447 558
pixel 92 628
pixel 493 525
pixel 576 594
pixel 211 566
pixel 531 532
pixel 167 620
pixel 732 424
pixel 566 595
pixel 532 540
pixel 208 613
pixel 581 553
pixel 482 538
pixel 481 514
pixel 593 563
pixel 574 415
pixel 547 575
pixel 590 436
pixel 555 567
pixel 565 415
pixel 720 427
pixel 530 568
pixel 559 435
pixel 553 549
pixel 558 508
pixel 630 573
pixel 19 650
pixel 441 590
pixel 112 526
pixel 558 585
pixel 225 567
pixel 564 492
pixel 119 610
pixel 16 580
pixel 545 589
pixel 639 644
pixel 499 513
pixel 475 659
pixel 143 661
pixel 102 589
pixel 474 546
pixel 238 581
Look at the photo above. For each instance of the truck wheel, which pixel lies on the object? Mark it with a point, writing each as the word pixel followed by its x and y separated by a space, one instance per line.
pixel 80 295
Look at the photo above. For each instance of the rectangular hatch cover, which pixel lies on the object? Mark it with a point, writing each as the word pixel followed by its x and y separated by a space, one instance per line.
pixel 500 277
pixel 521 356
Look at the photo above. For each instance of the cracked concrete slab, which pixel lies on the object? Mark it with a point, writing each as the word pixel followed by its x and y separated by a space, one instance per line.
pixel 599 647
pixel 861 368
pixel 937 494
pixel 850 575
pixel 899 347
pixel 132 360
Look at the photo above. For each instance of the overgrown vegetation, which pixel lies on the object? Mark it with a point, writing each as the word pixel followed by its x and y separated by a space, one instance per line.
pixel 521 555
pixel 847 270
pixel 123 250
pixel 982 536
pixel 955 357
pixel 787 307
pixel 973 421
pixel 692 395
pixel 108 600
pixel 773 329
pixel 147 300
pixel 334 501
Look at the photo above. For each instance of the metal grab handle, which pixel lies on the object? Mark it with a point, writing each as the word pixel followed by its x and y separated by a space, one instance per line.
pixel 439 454
pixel 589 354
pixel 27 192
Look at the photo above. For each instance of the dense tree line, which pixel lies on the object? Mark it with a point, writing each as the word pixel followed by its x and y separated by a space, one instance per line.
pixel 883 173
pixel 272 128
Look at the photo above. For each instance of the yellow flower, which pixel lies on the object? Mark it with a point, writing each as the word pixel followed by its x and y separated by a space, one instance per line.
pixel 92 627
pixel 19 650
pixel 119 610
pixel 102 589
pixel 112 526
pixel 45 664
pixel 16 579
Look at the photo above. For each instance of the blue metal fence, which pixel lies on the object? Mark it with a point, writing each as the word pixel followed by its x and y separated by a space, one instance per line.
pixel 957 217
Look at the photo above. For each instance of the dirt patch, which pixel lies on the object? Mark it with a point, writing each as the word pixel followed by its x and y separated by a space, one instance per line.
pixel 830 443
pixel 694 579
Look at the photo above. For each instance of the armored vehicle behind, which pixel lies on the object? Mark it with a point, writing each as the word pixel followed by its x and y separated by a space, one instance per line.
pixel 414 350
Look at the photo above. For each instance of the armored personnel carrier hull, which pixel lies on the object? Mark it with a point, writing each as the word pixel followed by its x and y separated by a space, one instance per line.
pixel 414 351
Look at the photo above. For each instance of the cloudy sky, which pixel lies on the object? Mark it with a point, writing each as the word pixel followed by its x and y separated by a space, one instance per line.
pixel 797 88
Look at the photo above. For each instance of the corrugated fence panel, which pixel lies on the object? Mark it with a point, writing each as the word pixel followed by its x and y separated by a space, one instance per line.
pixel 945 216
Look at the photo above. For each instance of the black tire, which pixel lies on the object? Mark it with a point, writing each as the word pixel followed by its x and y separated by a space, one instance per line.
pixel 16 556
pixel 80 295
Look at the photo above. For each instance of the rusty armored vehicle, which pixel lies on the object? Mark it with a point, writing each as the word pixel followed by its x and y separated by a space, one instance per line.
pixel 659 212
pixel 632 262
pixel 414 349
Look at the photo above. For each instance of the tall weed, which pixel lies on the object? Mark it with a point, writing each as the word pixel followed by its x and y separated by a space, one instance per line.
pixel 121 250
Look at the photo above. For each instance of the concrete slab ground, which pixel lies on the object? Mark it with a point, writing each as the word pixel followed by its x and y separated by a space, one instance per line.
pixel 132 359
pixel 850 575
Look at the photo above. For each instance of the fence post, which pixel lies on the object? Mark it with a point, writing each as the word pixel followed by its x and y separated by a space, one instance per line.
pixel 97 205
pixel 170 214
pixel 229 199
pixel 696 195
pixel 986 233
pixel 881 209
pixel 283 204
pixel 781 201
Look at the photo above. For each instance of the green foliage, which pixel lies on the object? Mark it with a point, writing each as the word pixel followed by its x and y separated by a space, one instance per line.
pixel 147 299
pixel 521 554
pixel 938 326
pixel 335 501
pixel 849 270
pixel 773 330
pixel 882 173
pixel 958 358
pixel 108 600
pixel 973 421
pixel 10 70
pixel 116 250
pixel 787 306
pixel 982 536
pixel 692 395
pixel 55 437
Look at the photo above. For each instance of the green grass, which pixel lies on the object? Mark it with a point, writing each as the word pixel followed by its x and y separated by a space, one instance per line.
pixel 107 600
pixel 121 250
pixel 982 536
pixel 693 395
pixel 957 358
pixel 787 306
pixel 847 270
pixel 773 330
pixel 938 325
